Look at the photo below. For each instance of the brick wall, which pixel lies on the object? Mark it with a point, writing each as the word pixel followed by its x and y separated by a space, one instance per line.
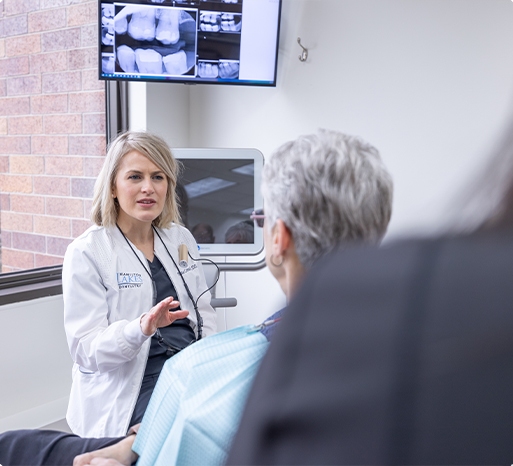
pixel 52 127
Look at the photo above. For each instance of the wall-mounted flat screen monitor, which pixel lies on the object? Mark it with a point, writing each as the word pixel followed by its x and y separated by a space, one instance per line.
pixel 218 189
pixel 189 41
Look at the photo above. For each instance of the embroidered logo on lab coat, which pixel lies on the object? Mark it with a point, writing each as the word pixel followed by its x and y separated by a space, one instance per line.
pixel 129 280
pixel 188 269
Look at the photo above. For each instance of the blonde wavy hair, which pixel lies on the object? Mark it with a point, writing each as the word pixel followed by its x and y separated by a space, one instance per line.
pixel 105 209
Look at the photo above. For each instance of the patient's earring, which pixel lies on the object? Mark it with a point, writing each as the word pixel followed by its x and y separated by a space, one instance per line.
pixel 272 262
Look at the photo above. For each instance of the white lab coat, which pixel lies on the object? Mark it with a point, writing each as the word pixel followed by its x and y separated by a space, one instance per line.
pixel 105 292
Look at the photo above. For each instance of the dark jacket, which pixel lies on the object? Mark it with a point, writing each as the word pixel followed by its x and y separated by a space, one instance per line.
pixel 398 355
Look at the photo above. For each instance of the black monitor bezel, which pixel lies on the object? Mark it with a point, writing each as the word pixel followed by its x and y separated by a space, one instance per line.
pixel 177 80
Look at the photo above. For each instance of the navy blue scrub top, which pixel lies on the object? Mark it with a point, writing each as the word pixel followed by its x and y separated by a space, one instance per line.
pixel 178 334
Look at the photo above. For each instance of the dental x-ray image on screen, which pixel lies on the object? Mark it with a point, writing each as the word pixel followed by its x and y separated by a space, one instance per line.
pixel 147 40
pixel 218 190
pixel 190 41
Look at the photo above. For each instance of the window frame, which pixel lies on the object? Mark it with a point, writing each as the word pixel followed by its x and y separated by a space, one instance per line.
pixel 27 285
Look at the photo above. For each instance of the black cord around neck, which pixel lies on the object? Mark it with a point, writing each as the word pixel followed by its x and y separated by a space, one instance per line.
pixel 133 250
pixel 153 284
pixel 199 319
pixel 200 259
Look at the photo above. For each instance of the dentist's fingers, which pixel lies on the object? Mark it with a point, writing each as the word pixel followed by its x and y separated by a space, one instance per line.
pixel 160 315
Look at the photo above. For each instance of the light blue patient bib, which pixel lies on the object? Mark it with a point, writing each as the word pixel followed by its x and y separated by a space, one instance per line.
pixel 197 403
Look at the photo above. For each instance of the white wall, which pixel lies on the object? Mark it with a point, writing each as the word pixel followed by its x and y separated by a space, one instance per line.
pixel 173 112
pixel 36 364
pixel 428 82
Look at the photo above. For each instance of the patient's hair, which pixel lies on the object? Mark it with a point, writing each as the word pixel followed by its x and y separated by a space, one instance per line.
pixel 327 188
pixel 105 209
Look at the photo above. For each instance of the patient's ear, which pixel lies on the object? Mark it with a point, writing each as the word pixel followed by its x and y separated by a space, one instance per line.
pixel 281 238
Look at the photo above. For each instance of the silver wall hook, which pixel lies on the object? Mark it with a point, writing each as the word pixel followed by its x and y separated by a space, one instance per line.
pixel 304 53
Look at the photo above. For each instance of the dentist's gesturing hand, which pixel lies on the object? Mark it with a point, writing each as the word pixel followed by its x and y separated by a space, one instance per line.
pixel 161 315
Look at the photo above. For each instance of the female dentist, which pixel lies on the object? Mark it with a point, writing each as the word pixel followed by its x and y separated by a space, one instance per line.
pixel 124 290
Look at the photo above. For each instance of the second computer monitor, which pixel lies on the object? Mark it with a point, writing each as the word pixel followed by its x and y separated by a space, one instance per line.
pixel 218 190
